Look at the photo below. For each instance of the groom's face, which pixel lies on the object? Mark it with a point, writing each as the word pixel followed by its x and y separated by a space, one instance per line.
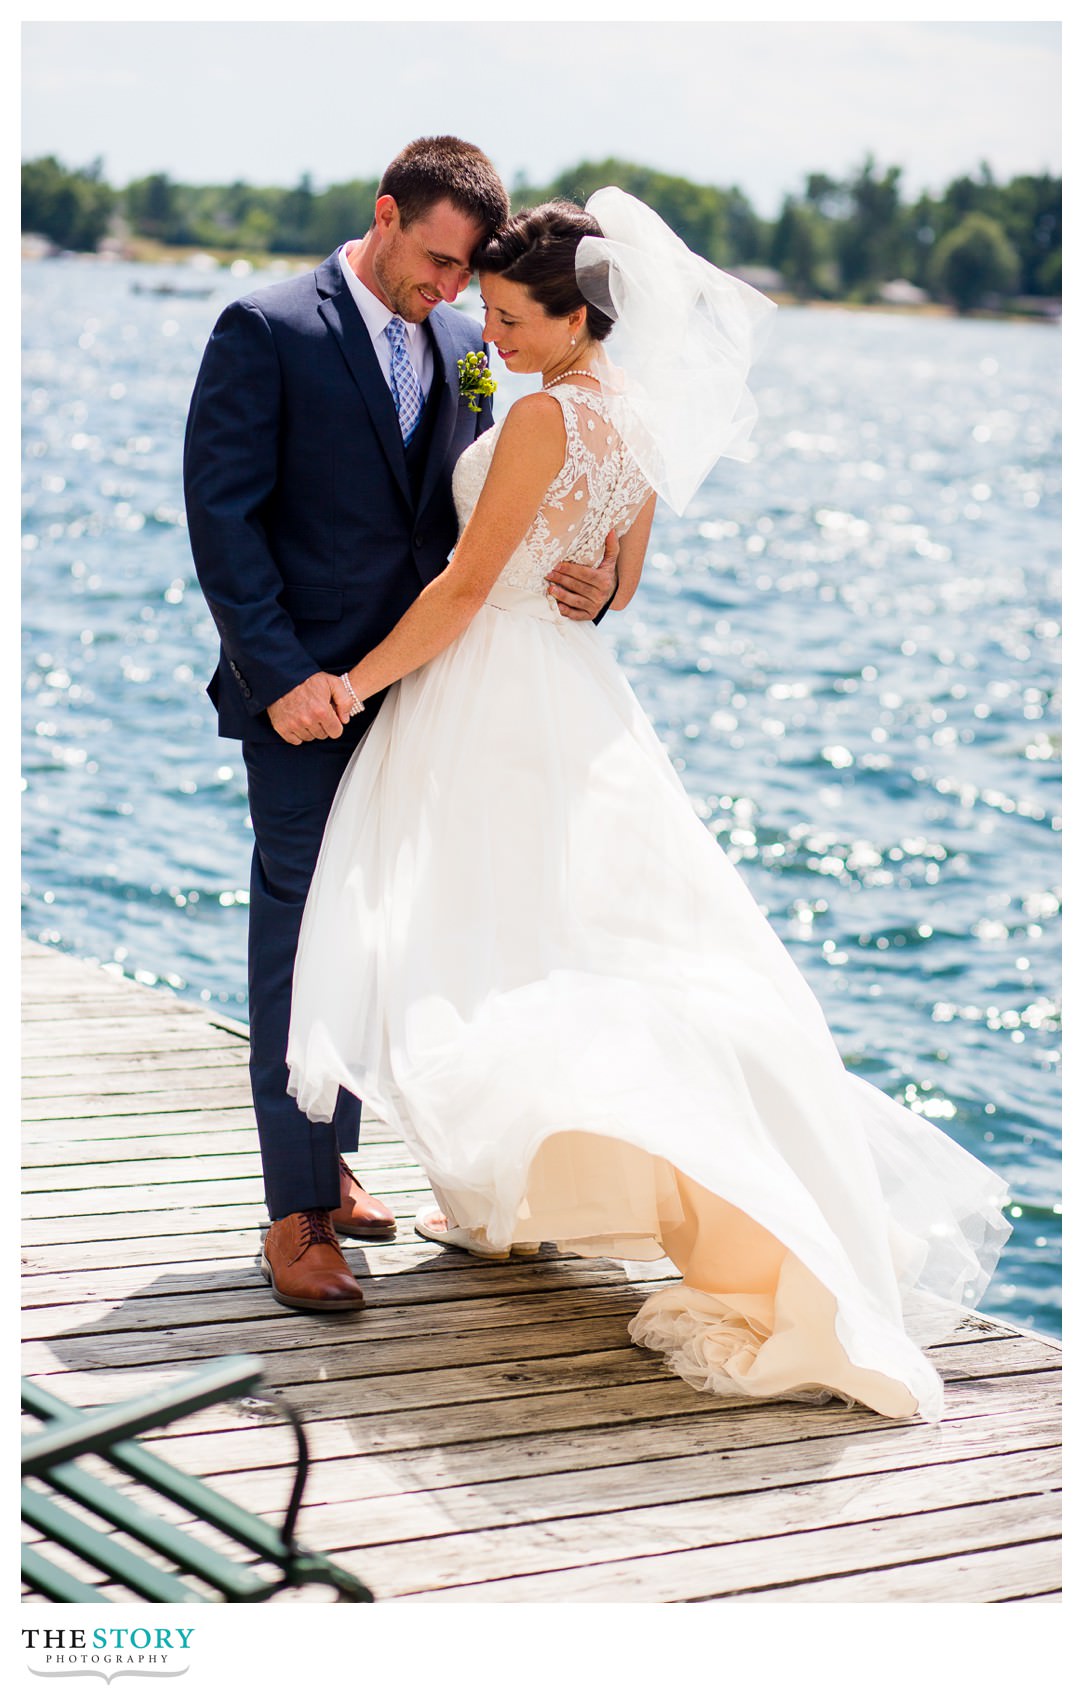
pixel 425 262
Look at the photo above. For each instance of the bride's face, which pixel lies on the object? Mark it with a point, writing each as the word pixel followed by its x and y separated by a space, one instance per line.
pixel 524 335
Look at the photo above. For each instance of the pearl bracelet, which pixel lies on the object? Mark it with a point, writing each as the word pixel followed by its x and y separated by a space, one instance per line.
pixel 356 705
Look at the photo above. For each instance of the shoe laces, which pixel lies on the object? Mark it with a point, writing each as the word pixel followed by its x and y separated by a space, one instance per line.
pixel 316 1229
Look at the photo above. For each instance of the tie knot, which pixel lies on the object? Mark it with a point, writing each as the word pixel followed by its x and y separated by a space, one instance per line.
pixel 396 332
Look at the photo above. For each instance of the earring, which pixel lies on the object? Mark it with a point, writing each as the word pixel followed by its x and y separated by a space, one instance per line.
pixel 573 342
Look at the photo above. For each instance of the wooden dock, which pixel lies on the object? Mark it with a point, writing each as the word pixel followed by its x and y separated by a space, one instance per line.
pixel 481 1433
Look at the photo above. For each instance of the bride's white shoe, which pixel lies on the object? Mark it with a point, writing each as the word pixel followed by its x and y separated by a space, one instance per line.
pixel 462 1239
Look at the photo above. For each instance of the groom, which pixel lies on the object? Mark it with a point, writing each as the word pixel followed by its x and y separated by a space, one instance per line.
pixel 323 430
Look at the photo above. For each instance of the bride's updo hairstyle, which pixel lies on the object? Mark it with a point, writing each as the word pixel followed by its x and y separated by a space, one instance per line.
pixel 537 249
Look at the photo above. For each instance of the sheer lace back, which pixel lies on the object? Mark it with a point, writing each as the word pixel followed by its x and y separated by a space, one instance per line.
pixel 598 489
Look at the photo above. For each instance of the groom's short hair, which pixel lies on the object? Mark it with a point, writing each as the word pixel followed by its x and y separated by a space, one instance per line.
pixel 443 168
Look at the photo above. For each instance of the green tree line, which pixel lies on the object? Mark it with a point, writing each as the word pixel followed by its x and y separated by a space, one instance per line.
pixel 838 238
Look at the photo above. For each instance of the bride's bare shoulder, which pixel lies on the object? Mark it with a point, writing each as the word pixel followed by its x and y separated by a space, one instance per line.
pixel 533 425
pixel 537 412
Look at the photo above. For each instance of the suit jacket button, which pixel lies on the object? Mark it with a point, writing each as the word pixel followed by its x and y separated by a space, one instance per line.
pixel 418 541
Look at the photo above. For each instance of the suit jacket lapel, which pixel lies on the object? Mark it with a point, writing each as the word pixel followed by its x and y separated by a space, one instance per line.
pixel 445 382
pixel 339 312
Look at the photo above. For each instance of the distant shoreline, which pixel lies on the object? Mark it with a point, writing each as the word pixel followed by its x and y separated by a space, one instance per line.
pixel 143 251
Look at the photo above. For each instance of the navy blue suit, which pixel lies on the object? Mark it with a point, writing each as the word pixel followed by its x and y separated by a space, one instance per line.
pixel 312 529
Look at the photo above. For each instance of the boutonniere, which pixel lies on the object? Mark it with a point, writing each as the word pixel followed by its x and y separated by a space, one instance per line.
pixel 476 382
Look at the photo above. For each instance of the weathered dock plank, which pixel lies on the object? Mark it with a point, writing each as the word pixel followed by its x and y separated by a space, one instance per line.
pixel 854 1551
pixel 479 1433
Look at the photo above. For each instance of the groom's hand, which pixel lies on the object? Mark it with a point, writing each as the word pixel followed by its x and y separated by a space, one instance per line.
pixel 308 711
pixel 582 592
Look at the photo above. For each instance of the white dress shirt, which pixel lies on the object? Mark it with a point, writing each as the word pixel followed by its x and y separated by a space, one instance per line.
pixel 377 317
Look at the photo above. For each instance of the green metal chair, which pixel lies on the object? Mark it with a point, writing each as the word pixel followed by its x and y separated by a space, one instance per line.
pixel 49 1457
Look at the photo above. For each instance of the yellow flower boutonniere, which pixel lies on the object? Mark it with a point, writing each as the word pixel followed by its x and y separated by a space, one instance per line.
pixel 476 382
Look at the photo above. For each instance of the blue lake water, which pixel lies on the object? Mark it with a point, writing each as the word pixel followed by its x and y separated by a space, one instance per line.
pixel 850 648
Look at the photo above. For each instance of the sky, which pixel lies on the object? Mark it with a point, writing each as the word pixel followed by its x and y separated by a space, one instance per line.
pixel 758 105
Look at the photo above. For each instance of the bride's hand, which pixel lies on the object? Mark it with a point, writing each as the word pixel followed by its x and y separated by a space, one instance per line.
pixel 582 592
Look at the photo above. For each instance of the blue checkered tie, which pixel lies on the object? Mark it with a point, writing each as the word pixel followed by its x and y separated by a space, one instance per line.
pixel 405 386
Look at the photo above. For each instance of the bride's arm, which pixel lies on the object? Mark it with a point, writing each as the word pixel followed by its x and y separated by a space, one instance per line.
pixel 528 455
pixel 633 550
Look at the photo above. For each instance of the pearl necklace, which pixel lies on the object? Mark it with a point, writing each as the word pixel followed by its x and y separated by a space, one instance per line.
pixel 576 372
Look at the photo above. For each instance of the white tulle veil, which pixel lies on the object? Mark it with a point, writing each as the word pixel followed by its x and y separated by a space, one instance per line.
pixel 675 366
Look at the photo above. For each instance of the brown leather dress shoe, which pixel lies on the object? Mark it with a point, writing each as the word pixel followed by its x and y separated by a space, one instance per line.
pixel 303 1261
pixel 359 1215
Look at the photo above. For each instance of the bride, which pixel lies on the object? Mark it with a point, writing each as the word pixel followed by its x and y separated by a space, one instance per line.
pixel 527 954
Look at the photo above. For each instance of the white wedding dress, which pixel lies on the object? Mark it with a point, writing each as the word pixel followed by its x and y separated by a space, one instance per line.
pixel 525 952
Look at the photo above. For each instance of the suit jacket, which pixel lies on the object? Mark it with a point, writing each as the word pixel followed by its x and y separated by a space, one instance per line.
pixel 308 539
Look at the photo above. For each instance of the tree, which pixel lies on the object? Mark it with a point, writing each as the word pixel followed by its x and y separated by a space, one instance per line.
pixel 828 197
pixel 746 233
pixel 72 208
pixel 973 261
pixel 1030 210
pixel 799 247
pixel 870 237
pixel 292 233
pixel 718 223
pixel 342 211
pixel 965 195
pixel 921 226
pixel 150 203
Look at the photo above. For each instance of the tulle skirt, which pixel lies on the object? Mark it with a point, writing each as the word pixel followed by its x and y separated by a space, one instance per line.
pixel 524 951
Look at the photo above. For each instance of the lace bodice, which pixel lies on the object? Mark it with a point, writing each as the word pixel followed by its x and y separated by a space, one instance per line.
pixel 598 489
